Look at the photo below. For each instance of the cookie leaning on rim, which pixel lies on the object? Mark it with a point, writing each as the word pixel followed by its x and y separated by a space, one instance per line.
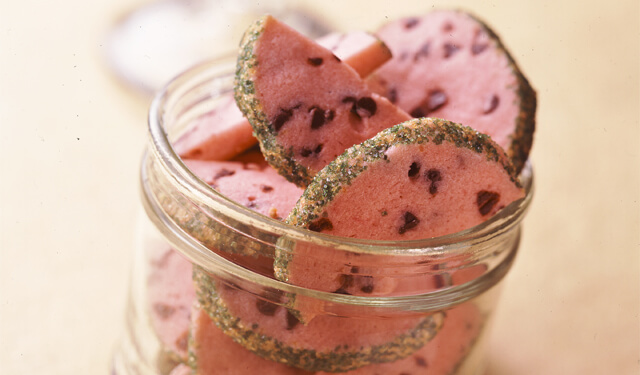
pixel 429 177
pixel 305 105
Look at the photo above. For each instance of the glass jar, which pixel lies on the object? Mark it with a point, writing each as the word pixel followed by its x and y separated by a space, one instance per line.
pixel 203 292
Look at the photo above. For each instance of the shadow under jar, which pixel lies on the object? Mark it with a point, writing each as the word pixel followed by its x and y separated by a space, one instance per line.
pixel 204 299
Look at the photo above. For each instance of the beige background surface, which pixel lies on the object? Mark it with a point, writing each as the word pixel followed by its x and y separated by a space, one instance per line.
pixel 71 137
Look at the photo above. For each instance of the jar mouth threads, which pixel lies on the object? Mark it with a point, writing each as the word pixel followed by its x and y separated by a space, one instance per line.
pixel 166 179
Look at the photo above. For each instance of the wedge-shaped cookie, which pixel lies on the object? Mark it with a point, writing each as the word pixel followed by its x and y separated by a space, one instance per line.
pixel 224 132
pixel 306 106
pixel 332 343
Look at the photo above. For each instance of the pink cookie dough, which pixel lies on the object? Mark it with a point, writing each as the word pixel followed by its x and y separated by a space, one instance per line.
pixel 305 105
pixel 450 65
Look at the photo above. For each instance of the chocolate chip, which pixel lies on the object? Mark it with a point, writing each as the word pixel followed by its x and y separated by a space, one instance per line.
pixel 422 52
pixel 392 95
pixel 266 188
pixel 320 116
pixel 321 225
pixel 163 310
pixel 435 100
pixel 439 281
pixel 366 107
pixel 478 48
pixel 317 117
pixel 266 308
pixel 421 362
pixel 414 170
pixel 486 200
pixel 434 176
pixel 305 152
pixel 491 104
pixel 412 22
pixel 281 119
pixel 223 173
pixel 292 321
pixel 355 269
pixel 410 222
pixel 449 50
pixel 345 281
pixel 315 61
pixel 447 27
pixel 417 112
pixel 368 285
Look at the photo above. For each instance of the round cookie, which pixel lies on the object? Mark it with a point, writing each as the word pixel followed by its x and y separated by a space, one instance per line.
pixel 211 352
pixel 449 64
pixel 326 343
pixel 420 179
pixel 444 354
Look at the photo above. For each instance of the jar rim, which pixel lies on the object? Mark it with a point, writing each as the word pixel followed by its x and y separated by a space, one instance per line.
pixel 187 183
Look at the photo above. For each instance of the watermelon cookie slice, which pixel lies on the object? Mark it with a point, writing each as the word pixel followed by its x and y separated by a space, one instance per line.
pixel 224 132
pixel 250 181
pixel 449 64
pixel 444 354
pixel 170 294
pixel 329 343
pixel 420 179
pixel 211 352
pixel 306 106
